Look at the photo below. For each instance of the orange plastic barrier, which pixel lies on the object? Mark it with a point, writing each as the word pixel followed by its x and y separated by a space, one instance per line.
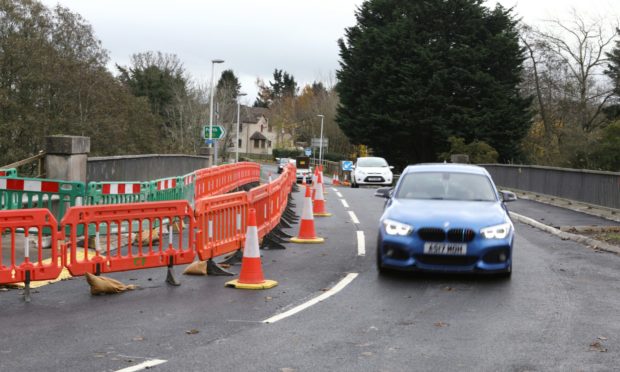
pixel 18 227
pixel 221 224
pixel 143 235
pixel 225 178
pixel 130 236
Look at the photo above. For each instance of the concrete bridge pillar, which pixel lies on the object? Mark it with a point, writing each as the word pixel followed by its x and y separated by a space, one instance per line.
pixel 66 157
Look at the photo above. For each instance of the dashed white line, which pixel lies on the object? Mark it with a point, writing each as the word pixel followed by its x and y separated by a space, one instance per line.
pixel 332 291
pixel 344 202
pixel 354 217
pixel 143 365
pixel 361 244
pixel 339 194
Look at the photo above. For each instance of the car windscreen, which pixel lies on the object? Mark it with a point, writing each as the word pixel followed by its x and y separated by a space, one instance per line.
pixel 371 162
pixel 446 186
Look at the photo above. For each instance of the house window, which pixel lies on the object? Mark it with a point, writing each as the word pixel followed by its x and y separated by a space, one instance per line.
pixel 256 143
pixel 262 144
pixel 269 144
pixel 239 145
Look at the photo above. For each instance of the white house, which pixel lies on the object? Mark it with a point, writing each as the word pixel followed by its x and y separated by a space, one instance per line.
pixel 256 135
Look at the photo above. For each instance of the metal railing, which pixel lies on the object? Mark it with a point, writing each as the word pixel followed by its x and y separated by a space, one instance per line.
pixel 592 187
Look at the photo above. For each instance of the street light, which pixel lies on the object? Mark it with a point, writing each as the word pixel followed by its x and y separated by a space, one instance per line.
pixel 213 62
pixel 321 143
pixel 238 114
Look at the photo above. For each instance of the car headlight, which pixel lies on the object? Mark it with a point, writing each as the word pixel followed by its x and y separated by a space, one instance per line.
pixel 396 228
pixel 497 231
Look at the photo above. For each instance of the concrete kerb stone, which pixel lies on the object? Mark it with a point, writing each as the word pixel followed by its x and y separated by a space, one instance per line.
pixel 593 243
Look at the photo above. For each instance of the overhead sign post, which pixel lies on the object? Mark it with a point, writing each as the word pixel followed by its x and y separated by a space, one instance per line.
pixel 217 132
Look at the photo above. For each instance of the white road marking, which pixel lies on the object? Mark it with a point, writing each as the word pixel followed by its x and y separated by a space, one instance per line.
pixel 344 202
pixel 361 244
pixel 354 217
pixel 332 291
pixel 339 194
pixel 144 365
pixel 335 189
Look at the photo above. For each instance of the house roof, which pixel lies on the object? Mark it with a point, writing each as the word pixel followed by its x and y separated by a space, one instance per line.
pixel 258 136
pixel 253 114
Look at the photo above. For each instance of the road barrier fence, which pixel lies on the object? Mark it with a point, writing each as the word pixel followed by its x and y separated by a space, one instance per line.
pixel 107 236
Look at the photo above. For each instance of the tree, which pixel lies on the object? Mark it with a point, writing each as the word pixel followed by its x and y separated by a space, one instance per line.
pixel 613 72
pixel 228 88
pixel 479 152
pixel 414 73
pixel 162 80
pixel 54 80
pixel 583 53
pixel 606 154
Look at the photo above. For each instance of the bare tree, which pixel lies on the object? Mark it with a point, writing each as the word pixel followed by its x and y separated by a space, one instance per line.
pixel 581 44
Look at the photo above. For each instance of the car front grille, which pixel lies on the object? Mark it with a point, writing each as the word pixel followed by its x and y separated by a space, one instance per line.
pixel 435 234
pixel 432 234
pixel 461 235
pixel 446 260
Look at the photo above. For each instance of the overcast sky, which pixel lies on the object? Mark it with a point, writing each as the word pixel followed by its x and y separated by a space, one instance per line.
pixel 255 37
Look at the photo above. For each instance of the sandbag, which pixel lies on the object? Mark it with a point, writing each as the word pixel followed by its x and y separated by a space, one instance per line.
pixel 102 285
pixel 196 268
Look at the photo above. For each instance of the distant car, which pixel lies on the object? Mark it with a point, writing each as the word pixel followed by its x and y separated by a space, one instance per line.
pixel 282 162
pixel 445 218
pixel 371 171
pixel 304 172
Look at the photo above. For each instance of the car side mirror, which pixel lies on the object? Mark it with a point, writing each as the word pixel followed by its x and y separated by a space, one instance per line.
pixel 508 196
pixel 384 192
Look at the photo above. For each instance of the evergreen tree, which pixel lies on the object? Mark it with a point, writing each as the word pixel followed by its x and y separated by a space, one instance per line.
pixel 613 71
pixel 414 73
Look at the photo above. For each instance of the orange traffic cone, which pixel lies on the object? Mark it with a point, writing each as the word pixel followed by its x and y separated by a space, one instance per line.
pixel 335 180
pixel 306 226
pixel 319 201
pixel 251 275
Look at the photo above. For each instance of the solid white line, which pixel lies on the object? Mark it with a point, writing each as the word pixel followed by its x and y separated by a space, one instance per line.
pixel 354 217
pixel 332 291
pixel 144 365
pixel 339 194
pixel 361 244
pixel 344 202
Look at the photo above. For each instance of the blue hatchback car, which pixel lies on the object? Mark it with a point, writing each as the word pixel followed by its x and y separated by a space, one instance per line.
pixel 445 218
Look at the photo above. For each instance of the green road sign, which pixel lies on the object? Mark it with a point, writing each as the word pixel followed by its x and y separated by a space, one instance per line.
pixel 218 132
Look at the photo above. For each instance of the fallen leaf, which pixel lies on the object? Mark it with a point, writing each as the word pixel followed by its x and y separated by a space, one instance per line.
pixel 447 289
pixel 138 338
pixel 287 370
pixel 325 289
pixel 602 338
pixel 224 265
pixel 192 331
pixel 268 298
pixel 367 353
pixel 441 324
pixel 597 346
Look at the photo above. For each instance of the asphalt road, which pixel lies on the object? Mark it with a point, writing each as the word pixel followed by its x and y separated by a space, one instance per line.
pixel 559 312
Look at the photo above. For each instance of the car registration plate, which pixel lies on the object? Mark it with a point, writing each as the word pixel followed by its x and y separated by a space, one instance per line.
pixel 374 178
pixel 454 249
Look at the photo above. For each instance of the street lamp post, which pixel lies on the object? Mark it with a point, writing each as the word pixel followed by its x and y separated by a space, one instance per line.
pixel 321 143
pixel 238 115
pixel 213 62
